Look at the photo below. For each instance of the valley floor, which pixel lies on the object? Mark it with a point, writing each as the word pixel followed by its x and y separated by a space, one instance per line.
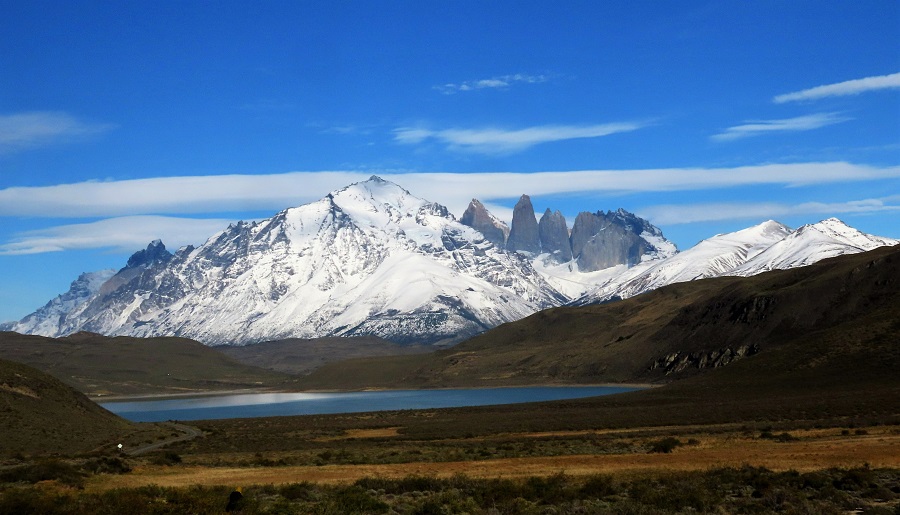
pixel 701 448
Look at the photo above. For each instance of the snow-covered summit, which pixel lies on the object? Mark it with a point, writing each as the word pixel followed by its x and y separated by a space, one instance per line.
pixel 809 244
pixel 760 248
pixel 370 258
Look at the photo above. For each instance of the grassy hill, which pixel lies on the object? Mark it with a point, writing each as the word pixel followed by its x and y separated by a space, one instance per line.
pixel 41 415
pixel 851 302
pixel 101 365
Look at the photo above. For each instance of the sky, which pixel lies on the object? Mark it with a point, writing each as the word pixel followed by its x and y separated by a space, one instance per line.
pixel 124 122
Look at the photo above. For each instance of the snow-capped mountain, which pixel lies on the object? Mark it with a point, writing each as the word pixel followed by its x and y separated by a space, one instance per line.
pixel 373 259
pixel 761 248
pixel 811 243
pixel 55 314
pixel 368 259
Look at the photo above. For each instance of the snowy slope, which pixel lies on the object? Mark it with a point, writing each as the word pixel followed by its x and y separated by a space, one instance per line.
pixel 53 316
pixel 758 249
pixel 811 243
pixel 368 259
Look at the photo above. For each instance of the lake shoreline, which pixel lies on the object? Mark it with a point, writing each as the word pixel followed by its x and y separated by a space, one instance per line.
pixel 270 404
pixel 137 397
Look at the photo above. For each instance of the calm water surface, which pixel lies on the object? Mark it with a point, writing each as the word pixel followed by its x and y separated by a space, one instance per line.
pixel 281 404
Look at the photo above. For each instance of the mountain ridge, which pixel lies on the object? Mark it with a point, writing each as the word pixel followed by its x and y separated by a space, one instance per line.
pixel 372 259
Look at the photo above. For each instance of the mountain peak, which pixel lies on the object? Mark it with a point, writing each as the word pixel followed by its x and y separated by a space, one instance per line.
pixel 479 218
pixel 154 253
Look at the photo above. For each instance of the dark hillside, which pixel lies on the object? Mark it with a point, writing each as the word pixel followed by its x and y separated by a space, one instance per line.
pixel 103 365
pixel 671 333
pixel 40 414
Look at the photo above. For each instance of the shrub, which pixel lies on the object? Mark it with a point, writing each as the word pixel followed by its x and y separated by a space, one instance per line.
pixel 44 470
pixel 166 458
pixel 666 445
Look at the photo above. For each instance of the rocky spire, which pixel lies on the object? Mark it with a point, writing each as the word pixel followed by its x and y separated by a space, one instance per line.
pixel 524 233
pixel 554 235
pixel 479 218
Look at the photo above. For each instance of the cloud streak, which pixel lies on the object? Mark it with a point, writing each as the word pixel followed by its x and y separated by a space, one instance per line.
pixel 122 234
pixel 759 127
pixel 503 141
pixel 840 89
pixel 501 82
pixel 22 131
pixel 237 193
pixel 718 212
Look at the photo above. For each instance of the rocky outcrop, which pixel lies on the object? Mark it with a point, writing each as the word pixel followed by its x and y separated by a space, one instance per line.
pixel 680 361
pixel 523 236
pixel 479 218
pixel 154 253
pixel 602 240
pixel 554 236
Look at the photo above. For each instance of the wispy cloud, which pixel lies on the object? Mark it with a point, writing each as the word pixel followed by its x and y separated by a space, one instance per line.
pixel 236 193
pixel 718 212
pixel 21 131
pixel 123 233
pixel 850 87
pixel 501 82
pixel 502 141
pixel 800 123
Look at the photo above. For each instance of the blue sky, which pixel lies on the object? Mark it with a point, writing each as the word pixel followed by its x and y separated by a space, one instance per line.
pixel 121 122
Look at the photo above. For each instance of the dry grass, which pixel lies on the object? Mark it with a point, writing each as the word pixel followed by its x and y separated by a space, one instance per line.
pixel 380 432
pixel 813 450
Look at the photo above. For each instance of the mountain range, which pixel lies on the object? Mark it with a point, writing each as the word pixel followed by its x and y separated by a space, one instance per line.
pixel 372 259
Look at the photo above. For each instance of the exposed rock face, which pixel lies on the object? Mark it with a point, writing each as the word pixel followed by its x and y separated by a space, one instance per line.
pixel 479 218
pixel 524 233
pixel 679 361
pixel 601 240
pixel 154 253
pixel 554 235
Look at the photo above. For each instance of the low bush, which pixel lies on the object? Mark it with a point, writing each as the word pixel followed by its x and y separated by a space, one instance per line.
pixel 665 445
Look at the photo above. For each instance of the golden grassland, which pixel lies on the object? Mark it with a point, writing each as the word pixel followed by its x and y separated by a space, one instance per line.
pixel 808 450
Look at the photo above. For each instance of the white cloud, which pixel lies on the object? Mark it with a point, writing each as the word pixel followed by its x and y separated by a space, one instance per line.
pixel 501 141
pixel 124 233
pixel 800 123
pixel 134 206
pixel 170 195
pixel 21 131
pixel 717 212
pixel 236 193
pixel 501 82
pixel 850 87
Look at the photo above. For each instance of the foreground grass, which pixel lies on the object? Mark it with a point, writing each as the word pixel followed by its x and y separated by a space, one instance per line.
pixel 722 490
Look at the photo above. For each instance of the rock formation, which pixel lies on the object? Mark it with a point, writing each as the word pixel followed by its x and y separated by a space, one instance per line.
pixel 554 236
pixel 479 218
pixel 524 232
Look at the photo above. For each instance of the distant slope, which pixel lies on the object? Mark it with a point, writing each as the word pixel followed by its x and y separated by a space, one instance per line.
pixel 101 365
pixel 673 332
pixel 40 414
pixel 761 248
pixel 301 356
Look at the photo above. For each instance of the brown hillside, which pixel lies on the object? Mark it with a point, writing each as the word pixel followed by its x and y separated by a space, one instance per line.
pixel 102 365
pixel 671 333
pixel 41 415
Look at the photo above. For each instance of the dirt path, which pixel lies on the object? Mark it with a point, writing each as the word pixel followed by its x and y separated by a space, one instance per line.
pixel 875 450
pixel 188 433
